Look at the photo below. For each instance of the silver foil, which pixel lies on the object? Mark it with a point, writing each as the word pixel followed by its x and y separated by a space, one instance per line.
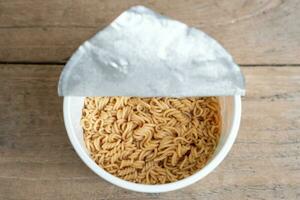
pixel 142 53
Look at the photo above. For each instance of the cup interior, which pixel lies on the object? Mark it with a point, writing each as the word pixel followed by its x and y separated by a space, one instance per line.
pixel 230 113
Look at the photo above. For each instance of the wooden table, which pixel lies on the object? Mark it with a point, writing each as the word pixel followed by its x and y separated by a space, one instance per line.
pixel 37 38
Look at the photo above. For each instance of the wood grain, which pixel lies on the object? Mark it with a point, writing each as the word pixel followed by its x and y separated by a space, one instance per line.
pixel 38 162
pixel 255 32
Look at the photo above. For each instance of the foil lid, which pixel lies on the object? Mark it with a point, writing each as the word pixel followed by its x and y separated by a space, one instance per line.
pixel 142 53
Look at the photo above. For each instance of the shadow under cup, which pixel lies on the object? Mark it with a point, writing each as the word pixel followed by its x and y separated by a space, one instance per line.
pixel 230 113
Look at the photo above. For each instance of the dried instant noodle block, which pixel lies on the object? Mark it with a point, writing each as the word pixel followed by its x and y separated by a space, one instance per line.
pixel 151 140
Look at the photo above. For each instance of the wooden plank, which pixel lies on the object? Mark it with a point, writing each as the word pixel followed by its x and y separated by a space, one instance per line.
pixel 255 32
pixel 38 162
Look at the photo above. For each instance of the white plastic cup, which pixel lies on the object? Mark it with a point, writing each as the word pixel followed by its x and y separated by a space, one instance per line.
pixel 231 115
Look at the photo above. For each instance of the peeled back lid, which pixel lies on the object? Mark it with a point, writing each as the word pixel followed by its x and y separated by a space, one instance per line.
pixel 142 53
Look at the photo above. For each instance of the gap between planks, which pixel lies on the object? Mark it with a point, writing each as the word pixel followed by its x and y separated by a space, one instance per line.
pixel 63 63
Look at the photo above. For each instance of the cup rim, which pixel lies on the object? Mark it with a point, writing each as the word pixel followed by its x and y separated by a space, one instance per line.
pixel 137 187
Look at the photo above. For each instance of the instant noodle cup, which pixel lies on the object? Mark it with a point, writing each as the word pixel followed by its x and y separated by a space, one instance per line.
pixel 142 53
pixel 230 114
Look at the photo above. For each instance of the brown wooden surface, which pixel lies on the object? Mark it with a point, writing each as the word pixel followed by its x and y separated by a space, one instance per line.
pixel 254 31
pixel 38 162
